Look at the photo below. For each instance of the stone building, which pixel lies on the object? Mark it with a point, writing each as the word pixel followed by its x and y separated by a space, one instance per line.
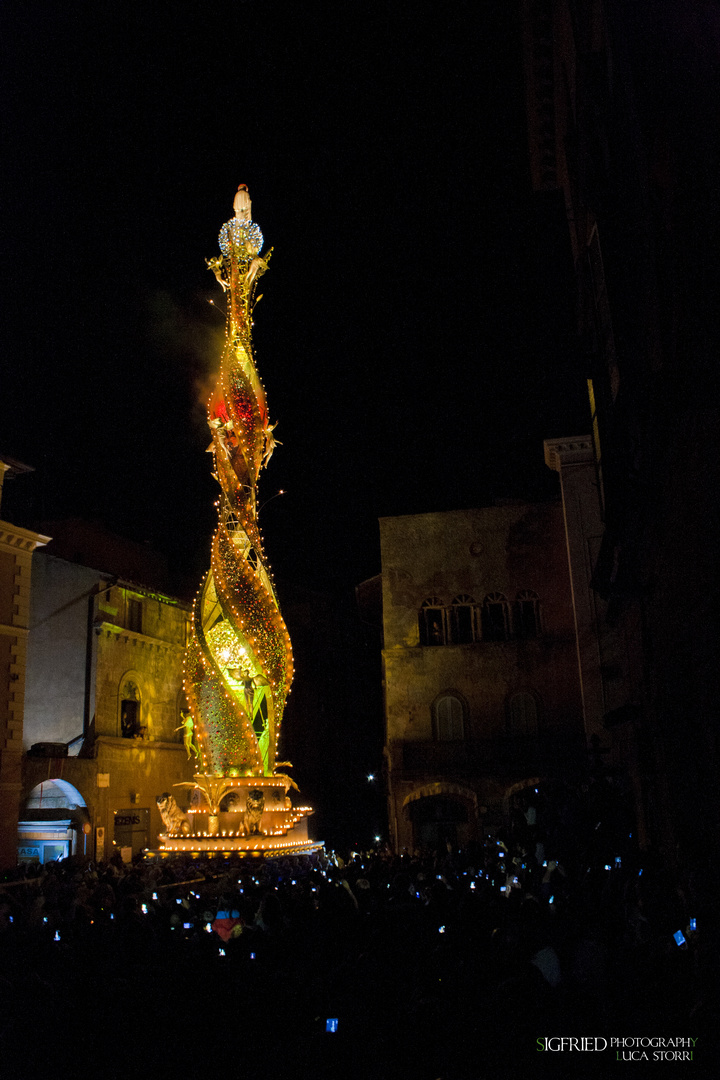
pixel 482 694
pixel 623 107
pixel 16 552
pixel 103 702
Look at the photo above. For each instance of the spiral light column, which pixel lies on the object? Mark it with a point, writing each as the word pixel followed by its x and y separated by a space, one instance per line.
pixel 238 661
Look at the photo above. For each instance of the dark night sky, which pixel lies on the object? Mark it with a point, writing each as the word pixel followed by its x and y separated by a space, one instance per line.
pixel 415 334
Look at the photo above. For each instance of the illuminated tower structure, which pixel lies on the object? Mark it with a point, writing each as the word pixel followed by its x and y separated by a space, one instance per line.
pixel 238 661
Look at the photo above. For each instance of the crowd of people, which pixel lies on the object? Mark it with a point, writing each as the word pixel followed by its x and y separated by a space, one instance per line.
pixel 450 964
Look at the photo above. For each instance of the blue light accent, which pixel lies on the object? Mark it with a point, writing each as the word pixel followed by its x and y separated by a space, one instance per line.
pixel 331 1025
pixel 235 234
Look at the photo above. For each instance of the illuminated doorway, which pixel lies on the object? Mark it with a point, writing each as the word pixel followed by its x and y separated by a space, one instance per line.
pixel 51 825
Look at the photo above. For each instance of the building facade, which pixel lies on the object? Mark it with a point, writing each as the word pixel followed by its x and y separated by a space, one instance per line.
pixel 623 105
pixel 16 552
pixel 482 693
pixel 102 717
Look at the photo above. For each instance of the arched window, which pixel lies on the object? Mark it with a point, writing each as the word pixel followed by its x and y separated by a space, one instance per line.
pixel 463 630
pixel 526 617
pixel 130 725
pixel 432 622
pixel 449 719
pixel 495 618
pixel 522 714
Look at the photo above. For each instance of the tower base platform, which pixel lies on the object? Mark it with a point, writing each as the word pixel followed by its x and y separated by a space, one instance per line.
pixel 257 818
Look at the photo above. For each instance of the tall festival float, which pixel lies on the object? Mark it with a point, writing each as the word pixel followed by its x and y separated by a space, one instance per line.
pixel 238 660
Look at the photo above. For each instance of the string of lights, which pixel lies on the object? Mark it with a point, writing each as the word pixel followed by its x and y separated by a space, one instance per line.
pixel 238 663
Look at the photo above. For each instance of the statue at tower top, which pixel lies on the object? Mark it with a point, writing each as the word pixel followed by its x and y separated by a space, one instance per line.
pixel 240 241
pixel 240 236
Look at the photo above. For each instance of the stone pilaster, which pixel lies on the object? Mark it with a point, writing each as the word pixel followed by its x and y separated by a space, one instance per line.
pixel 574 460
pixel 16 548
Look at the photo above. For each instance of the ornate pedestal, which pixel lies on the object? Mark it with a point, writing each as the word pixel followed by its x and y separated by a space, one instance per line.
pixel 251 814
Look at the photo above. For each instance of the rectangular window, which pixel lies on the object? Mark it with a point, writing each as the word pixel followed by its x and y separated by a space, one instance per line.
pixel 432 626
pixel 526 619
pixel 462 624
pixel 134 616
pixel 448 719
pixel 494 622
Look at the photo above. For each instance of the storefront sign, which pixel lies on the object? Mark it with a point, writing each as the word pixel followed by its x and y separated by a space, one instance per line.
pixel 26 851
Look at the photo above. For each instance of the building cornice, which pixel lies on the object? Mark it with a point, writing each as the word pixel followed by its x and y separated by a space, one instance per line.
pixel 112 630
pixel 152 594
pixel 572 451
pixel 13 538
pixel 117 742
